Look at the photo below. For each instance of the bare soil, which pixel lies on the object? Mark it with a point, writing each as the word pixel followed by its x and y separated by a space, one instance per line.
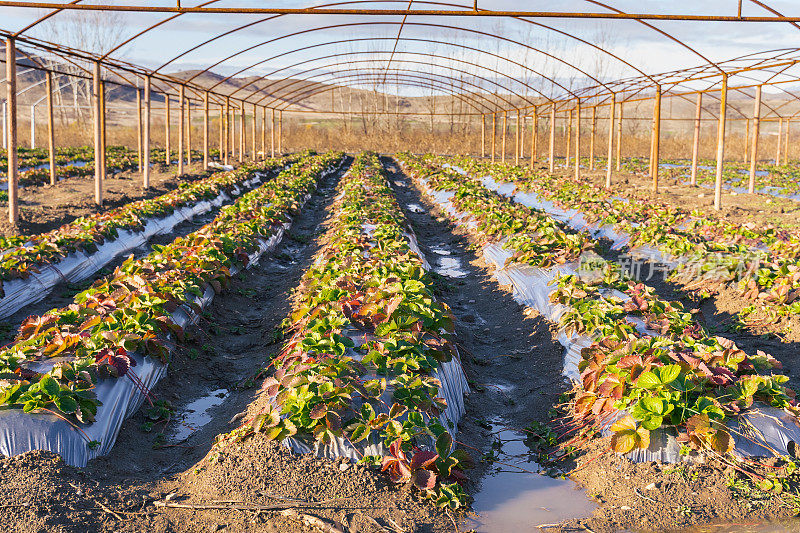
pixel 47 207
pixel 762 209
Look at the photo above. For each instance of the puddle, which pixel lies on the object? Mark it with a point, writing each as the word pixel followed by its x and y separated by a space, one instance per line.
pixel 415 208
pixel 510 499
pixel 450 267
pixel 195 415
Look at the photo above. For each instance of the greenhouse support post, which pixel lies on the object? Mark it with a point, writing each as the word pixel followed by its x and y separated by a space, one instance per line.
pixel 568 138
pixel 552 146
pixel 778 143
pixel 12 157
pixel 534 135
pixel 226 131
pixel 611 109
pixel 494 134
pixel 655 144
pixel 503 137
pixel 206 97
pixel 483 135
pixel 516 141
pixel 751 186
pixel 619 139
pixel 522 136
pixel 188 131
pixel 696 140
pixel 51 133
pixel 98 145
pixel 280 132
pixel 746 142
pixel 786 142
pixel 221 133
pixel 591 138
pixel 167 155
pixel 242 135
pixel 181 126
pixel 146 134
pixel 139 127
pixel 578 139
pixel 272 134
pixel 254 157
pixel 723 109
pixel 103 133
pixel 263 133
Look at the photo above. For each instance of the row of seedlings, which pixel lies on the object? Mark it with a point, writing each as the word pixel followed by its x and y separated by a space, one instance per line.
pixel 62 388
pixel 645 371
pixel 31 266
pixel 762 262
pixel 370 371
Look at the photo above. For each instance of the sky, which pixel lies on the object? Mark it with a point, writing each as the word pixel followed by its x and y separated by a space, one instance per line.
pixel 544 56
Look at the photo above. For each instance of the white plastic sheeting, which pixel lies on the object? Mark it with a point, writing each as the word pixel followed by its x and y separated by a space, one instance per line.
pixel 22 432
pixel 78 266
pixel 762 431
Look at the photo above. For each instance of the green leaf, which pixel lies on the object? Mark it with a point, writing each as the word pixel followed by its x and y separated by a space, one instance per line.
pixel 443 444
pixel 648 380
pixel 66 404
pixel 49 385
pixel 669 373
pixel 360 433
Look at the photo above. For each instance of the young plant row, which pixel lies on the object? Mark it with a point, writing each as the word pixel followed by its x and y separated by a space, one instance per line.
pixel 668 374
pixel 132 310
pixel 21 255
pixel 763 263
pixel 367 339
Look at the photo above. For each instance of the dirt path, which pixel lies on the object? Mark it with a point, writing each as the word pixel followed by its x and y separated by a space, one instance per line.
pixel 513 362
pixel 44 208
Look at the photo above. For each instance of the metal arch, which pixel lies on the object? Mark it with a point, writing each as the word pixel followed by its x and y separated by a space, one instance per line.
pixel 381 23
pixel 371 52
pixel 360 75
pixel 343 41
pixel 296 80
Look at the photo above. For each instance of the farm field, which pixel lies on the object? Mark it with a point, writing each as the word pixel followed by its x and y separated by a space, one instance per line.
pixel 399 267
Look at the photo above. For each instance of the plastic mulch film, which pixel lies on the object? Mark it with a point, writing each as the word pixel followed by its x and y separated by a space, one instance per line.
pixel 22 432
pixel 761 431
pixel 78 266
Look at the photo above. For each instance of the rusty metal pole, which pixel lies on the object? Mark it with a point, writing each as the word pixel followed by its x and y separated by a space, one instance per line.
pixel 578 139
pixel 242 134
pixel 227 130
pixel 146 135
pixel 780 138
pixel 522 138
pixel 751 186
pixel 591 139
pixel 272 133
pixel 221 132
pixel 534 135
pixel 188 131
pixel 263 133
pixel 516 142
pixel 280 132
pixel 254 157
pixel 206 98
pixel 568 133
pixel 11 134
pixel 656 140
pixel 746 140
pixel 696 141
pixel 104 130
pixel 503 137
pixel 139 126
pixel 723 110
pixel 494 134
pixel 786 143
pixel 98 145
pixel 167 147
pixel 483 135
pixel 552 148
pixel 612 108
pixel 181 125
pixel 619 139
pixel 51 133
